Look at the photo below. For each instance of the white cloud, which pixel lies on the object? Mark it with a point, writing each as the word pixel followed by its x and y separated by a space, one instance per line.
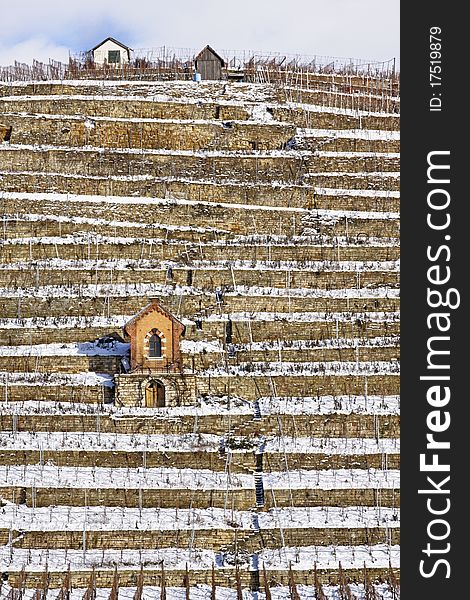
pixel 357 28
pixel 39 48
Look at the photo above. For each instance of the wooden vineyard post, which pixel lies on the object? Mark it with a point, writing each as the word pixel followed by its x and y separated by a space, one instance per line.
pixel 114 594
pixel 41 592
pixel 294 594
pixel 213 582
pixel 369 589
pixel 319 593
pixel 64 593
pixel 90 593
pixel 267 591
pixel 21 585
pixel 239 583
pixel 140 585
pixel 393 583
pixel 186 583
pixel 162 584
pixel 344 589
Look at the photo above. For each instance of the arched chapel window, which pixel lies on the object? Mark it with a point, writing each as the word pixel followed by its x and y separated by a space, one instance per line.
pixel 155 346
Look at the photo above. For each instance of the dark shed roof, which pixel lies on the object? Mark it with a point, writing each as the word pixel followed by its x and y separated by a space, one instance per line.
pixel 208 48
pixel 112 40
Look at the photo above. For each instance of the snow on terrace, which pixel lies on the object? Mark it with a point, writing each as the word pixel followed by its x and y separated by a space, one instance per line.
pixel 87 378
pixel 247 369
pixel 272 184
pixel 126 290
pixel 299 369
pixel 152 98
pixel 158 151
pixel 63 322
pixel 240 94
pixel 357 174
pixel 190 442
pixel 106 347
pixel 314 405
pixel 325 557
pixel 100 518
pixel 48 476
pixel 358 134
pixel 35 217
pixel 323 191
pixel 294 345
pixel 350 112
pixel 204 592
pixel 92 237
pixel 216 405
pixel 122 264
pixel 330 405
pixel 304 369
pixel 167 202
pixel 109 347
pixel 245 97
pixel 156 90
pixel 307 317
pixel 258 116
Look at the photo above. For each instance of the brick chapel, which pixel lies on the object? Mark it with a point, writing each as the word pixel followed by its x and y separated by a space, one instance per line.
pixel 155 377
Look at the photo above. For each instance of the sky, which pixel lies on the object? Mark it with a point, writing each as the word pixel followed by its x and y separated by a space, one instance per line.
pixel 363 29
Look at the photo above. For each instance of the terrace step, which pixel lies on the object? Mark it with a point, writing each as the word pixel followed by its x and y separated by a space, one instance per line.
pixel 183 182
pixel 292 195
pixel 101 247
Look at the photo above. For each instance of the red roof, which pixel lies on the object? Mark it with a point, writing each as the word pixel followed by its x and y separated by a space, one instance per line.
pixel 153 306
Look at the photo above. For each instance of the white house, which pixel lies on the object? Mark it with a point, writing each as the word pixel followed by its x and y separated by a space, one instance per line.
pixel 111 52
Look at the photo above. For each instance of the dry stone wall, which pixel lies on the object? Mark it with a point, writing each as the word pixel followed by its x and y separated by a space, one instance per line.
pixel 263 216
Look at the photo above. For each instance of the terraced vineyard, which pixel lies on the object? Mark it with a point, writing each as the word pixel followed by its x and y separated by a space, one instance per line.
pixel 265 218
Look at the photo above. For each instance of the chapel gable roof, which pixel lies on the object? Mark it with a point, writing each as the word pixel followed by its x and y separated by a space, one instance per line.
pixel 153 306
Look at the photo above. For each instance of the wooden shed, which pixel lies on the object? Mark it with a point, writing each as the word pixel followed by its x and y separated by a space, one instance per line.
pixel 111 52
pixel 209 64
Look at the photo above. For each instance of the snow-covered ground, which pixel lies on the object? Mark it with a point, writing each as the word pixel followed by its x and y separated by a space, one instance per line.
pixel 189 442
pixel 273 241
pixel 106 518
pixel 319 213
pixel 109 347
pixel 216 405
pixel 204 592
pixel 193 479
pixel 87 378
pixel 64 322
pixel 92 290
pixel 294 345
pixel 128 216
pixel 307 317
pixel 302 369
pixel 112 347
pixel 378 556
pixel 112 223
pixel 357 134
pixel 117 264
